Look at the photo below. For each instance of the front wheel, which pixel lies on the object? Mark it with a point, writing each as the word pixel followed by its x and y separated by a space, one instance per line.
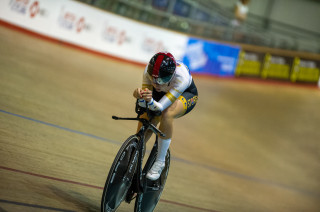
pixel 120 175
pixel 148 200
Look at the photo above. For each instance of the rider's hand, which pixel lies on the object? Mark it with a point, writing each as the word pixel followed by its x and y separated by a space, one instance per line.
pixel 137 93
pixel 146 95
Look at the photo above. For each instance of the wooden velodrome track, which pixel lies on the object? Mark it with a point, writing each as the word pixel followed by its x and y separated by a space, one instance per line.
pixel 247 146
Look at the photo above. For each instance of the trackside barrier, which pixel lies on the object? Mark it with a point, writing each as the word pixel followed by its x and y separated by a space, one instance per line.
pixel 106 33
pixel 91 28
pixel 285 68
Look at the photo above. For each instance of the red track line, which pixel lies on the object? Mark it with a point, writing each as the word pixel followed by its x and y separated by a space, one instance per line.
pixel 51 178
pixel 96 187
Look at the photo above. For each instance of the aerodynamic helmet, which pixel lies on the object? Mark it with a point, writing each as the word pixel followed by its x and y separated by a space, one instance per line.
pixel 162 67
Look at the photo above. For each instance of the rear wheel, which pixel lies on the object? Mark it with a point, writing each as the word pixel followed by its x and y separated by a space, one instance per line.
pixel 120 175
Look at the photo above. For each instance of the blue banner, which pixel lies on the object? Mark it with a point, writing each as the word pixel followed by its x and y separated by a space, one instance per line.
pixel 213 58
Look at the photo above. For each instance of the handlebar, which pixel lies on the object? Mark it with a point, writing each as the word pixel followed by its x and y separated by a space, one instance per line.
pixel 151 114
pixel 144 122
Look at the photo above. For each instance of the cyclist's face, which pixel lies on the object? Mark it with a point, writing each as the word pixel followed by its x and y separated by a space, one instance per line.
pixel 157 86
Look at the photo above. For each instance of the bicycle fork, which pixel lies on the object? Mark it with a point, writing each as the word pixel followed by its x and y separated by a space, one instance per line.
pixel 135 169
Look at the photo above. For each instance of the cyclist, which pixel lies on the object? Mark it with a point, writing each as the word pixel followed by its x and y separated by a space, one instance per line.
pixel 167 86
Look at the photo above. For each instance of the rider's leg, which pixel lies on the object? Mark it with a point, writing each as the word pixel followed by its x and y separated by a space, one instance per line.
pixel 176 110
pixel 166 126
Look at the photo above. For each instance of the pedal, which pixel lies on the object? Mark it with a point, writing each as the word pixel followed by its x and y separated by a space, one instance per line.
pixel 153 186
pixel 130 196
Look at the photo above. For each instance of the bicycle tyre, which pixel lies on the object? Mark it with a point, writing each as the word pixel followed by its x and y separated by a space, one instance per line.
pixel 147 201
pixel 120 175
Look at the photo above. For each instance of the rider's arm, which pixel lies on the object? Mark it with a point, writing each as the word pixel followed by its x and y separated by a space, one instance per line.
pixel 146 84
pixel 170 97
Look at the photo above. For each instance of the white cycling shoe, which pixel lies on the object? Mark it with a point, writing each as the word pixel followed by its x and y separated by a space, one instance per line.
pixel 155 172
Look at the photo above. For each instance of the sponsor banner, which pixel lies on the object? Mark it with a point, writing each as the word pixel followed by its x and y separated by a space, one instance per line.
pixel 152 40
pixel 77 24
pixel 249 64
pixel 276 67
pixel 265 65
pixel 212 58
pixel 115 35
pixel 91 28
pixel 305 70
pixel 35 15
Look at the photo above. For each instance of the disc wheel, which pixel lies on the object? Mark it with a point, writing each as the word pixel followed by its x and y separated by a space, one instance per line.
pixel 120 175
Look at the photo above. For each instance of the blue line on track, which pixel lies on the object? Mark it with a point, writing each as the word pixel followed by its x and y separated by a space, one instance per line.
pixel 62 128
pixel 212 168
pixel 33 206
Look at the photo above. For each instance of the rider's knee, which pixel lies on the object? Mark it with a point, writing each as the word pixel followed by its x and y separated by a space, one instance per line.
pixel 167 114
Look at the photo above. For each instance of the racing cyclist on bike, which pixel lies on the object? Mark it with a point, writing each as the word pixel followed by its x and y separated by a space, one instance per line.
pixel 167 86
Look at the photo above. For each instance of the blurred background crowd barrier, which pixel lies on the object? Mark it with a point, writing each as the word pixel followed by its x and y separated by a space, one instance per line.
pixel 197 32
pixel 211 19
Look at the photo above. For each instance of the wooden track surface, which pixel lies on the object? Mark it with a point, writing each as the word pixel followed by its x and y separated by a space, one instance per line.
pixel 246 146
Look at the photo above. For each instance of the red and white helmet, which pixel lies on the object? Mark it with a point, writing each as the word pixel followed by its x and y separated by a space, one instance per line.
pixel 162 67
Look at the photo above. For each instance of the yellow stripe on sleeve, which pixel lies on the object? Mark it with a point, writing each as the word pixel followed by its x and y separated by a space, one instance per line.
pixel 171 97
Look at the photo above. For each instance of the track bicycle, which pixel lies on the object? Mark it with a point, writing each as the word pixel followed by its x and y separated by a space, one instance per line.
pixel 127 179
